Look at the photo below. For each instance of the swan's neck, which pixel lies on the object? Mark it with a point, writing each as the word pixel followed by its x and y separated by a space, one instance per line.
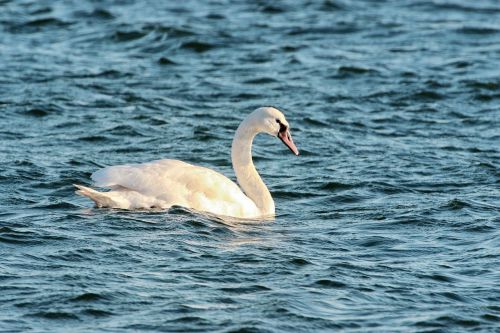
pixel 247 175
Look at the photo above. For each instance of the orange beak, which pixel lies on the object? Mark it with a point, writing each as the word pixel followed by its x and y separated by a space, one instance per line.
pixel 286 137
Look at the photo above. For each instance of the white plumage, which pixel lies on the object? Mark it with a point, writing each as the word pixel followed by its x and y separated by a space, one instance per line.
pixel 167 183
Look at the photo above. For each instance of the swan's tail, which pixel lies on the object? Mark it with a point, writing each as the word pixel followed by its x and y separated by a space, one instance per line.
pixel 101 199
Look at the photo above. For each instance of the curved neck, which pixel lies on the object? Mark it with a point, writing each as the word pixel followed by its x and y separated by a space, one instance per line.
pixel 248 177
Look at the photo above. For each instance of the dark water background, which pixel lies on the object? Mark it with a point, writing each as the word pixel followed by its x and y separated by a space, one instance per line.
pixel 388 222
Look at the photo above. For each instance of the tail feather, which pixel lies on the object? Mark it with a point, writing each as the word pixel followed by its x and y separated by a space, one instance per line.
pixel 101 199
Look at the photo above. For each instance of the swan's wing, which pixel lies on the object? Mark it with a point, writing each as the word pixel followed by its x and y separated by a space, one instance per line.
pixel 175 182
pixel 149 178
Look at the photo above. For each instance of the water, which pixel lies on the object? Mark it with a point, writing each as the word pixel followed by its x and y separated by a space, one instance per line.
pixel 387 222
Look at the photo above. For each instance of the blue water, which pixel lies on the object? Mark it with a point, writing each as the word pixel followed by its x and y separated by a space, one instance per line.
pixel 389 221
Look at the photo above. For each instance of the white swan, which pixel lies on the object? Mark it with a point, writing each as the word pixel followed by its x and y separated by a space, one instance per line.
pixel 165 183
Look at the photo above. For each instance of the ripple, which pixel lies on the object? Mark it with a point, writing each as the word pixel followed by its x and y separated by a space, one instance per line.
pixel 449 6
pixel 98 13
pixel 377 241
pixel 109 73
pixel 55 205
pixel 343 28
pixel 37 113
pixel 334 186
pixel 124 130
pixel 43 111
pixel 478 30
pixel 487 97
pixel 458 321
pixel 97 313
pixel 315 122
pixel 94 138
pixel 166 61
pixel 456 204
pixel 490 317
pixel 39 24
pixel 488 85
pixel 245 289
pixel 262 80
pixel 326 283
pixel 354 70
pixel 330 5
pixel 56 315
pixel 453 296
pixel 198 47
pixel 87 297
pixel 127 36
pixel 439 278
pixel 299 262
pixel 427 95
pixel 16 236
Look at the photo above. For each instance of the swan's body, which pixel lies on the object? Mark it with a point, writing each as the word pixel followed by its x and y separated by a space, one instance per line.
pixel 165 183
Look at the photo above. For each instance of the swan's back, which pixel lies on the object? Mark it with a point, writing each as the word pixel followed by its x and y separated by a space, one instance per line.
pixel 165 183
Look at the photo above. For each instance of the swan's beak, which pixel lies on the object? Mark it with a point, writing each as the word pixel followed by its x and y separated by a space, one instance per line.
pixel 286 137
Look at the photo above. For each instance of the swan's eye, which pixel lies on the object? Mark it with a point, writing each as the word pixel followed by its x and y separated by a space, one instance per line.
pixel 283 127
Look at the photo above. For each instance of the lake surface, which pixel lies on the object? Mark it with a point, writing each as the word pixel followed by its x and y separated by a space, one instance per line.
pixel 389 221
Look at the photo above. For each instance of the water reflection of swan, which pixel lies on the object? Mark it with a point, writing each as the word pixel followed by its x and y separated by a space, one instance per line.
pixel 165 183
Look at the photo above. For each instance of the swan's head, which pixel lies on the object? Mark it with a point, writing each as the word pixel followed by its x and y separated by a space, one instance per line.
pixel 272 121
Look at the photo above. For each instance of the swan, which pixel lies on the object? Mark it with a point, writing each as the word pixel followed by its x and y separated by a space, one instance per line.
pixel 165 183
